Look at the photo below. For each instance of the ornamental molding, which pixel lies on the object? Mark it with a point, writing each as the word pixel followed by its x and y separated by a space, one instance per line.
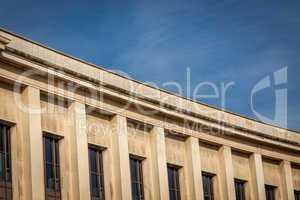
pixel 3 42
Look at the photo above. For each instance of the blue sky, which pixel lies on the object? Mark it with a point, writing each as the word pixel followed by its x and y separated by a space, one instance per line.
pixel 156 41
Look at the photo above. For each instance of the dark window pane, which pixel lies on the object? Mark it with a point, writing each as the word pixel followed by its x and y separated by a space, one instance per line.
pixel 5 163
pixel 94 185
pixel 136 172
pixel 174 186
pixel 93 160
pixel 49 177
pixel 52 168
pixel 239 189
pixel 171 177
pixel 207 180
pixel 134 190
pixel 172 195
pixel 2 171
pixel 48 150
pixel 297 195
pixel 1 140
pixel 270 192
pixel 96 174
pixel 133 170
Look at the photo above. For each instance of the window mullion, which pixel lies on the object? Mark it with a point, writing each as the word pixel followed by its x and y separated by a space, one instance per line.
pixel 5 162
pixel 141 179
pixel 5 153
pixel 4 159
pixel 98 174
pixel 9 154
pixel 52 164
pixel 137 177
pixel 175 183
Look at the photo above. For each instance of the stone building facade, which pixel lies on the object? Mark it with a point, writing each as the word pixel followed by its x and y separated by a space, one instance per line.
pixel 72 130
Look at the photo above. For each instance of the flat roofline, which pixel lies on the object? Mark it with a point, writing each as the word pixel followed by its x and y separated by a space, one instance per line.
pixel 140 82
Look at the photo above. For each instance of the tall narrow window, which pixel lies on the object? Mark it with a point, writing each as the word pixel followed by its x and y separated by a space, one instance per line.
pixel 208 191
pixel 5 163
pixel 174 186
pixel 297 195
pixel 270 192
pixel 136 172
pixel 239 189
pixel 52 168
pixel 96 174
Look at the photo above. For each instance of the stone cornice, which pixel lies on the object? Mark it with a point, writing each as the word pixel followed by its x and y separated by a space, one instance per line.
pixel 3 42
pixel 34 53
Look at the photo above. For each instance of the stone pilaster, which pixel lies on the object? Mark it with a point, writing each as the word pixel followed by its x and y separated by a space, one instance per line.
pixel 257 174
pixel 80 149
pixel 120 159
pixel 158 152
pixel 33 142
pixel 287 180
pixel 226 173
pixel 193 169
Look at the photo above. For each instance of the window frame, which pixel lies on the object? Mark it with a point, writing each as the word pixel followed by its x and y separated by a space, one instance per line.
pixel 241 183
pixel 6 184
pixel 176 178
pixel 140 176
pixel 209 176
pixel 99 171
pixel 270 188
pixel 55 193
pixel 297 194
